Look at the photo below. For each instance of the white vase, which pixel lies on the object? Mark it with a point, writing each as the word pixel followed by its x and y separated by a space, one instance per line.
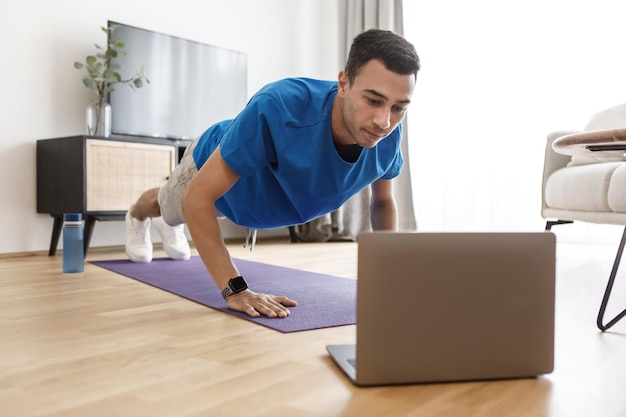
pixel 99 119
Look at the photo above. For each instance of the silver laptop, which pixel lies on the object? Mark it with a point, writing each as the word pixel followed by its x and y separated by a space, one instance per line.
pixel 435 307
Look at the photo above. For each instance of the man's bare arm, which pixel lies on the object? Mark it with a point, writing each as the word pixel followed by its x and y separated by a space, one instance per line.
pixel 383 210
pixel 213 180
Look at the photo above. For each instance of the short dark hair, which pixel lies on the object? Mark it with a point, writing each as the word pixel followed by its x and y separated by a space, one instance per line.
pixel 394 51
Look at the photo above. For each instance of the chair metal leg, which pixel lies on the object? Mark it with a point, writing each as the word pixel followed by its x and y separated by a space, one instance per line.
pixel 551 223
pixel 609 287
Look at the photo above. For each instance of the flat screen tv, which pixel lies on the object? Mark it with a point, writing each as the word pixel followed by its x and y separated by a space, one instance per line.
pixel 192 85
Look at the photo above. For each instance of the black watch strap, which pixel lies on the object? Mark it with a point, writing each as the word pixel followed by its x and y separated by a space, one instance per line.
pixel 235 286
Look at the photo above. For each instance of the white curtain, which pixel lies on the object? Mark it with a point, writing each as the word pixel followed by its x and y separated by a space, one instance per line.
pixel 353 217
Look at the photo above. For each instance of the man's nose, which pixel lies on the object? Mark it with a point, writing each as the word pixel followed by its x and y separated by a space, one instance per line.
pixel 382 118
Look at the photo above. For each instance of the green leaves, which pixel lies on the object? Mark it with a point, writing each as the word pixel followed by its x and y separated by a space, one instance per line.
pixel 89 83
pixel 102 74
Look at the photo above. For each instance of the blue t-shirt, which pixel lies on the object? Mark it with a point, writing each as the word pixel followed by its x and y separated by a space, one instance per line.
pixel 282 148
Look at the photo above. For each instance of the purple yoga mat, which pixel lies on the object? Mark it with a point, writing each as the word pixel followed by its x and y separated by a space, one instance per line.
pixel 323 300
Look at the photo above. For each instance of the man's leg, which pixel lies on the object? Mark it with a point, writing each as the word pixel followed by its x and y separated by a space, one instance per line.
pixel 144 212
pixel 147 205
pixel 138 219
pixel 162 207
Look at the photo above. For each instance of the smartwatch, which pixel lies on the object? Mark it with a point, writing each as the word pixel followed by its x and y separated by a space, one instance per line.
pixel 235 286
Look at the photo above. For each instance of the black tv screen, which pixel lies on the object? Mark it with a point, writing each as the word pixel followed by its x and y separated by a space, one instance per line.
pixel 192 85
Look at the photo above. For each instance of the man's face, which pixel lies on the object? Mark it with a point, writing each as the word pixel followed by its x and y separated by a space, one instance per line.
pixel 373 106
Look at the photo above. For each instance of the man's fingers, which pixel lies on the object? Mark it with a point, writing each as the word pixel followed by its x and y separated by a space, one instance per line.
pixel 285 301
pixel 273 308
pixel 252 312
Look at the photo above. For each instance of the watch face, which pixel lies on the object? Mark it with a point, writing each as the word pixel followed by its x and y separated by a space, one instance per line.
pixel 238 284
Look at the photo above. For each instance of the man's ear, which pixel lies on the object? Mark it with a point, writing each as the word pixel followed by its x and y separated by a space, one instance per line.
pixel 343 82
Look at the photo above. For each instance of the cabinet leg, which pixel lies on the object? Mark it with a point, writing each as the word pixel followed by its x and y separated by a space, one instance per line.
pixel 56 233
pixel 90 221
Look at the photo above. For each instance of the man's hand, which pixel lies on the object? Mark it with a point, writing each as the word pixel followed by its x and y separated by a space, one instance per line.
pixel 255 304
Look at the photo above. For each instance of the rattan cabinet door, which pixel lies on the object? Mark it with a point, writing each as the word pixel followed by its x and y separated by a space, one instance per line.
pixel 116 173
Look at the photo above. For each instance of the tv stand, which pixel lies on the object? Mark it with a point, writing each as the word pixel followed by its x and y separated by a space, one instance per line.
pixel 99 177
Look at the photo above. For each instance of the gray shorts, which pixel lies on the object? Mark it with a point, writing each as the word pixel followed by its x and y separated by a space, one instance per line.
pixel 172 192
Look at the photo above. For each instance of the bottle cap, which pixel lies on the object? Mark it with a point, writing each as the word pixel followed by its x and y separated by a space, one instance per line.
pixel 72 217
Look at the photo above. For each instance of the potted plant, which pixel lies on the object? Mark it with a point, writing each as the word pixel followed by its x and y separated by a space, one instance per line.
pixel 101 75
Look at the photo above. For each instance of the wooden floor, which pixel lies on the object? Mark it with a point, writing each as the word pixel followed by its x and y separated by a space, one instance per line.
pixel 100 344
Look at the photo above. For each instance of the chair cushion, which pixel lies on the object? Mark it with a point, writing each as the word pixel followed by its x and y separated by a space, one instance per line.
pixel 585 187
pixel 617 190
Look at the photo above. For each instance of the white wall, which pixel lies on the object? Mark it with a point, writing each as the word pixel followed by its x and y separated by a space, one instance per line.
pixel 496 78
pixel 43 97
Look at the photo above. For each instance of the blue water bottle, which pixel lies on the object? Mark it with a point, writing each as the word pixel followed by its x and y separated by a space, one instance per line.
pixel 73 252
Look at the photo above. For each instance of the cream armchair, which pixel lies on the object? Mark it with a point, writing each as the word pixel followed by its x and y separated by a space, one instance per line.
pixel 589 189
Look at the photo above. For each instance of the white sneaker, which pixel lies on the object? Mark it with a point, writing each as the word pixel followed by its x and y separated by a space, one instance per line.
pixel 138 243
pixel 175 242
